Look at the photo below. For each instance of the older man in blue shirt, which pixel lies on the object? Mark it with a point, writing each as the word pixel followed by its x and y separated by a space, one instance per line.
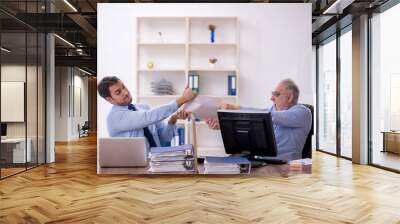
pixel 292 121
pixel 138 120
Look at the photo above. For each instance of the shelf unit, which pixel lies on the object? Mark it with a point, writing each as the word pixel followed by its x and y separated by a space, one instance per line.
pixel 178 46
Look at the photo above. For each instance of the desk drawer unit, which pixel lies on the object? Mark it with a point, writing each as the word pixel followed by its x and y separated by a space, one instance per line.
pixel 14 151
pixel 391 142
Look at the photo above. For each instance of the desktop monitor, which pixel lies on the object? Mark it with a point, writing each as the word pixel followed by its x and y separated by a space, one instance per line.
pixel 3 129
pixel 248 132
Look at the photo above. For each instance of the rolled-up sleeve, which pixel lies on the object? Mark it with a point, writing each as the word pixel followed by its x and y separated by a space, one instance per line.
pixel 125 120
pixel 296 117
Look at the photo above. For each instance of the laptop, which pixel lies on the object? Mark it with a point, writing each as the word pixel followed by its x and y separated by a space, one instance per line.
pixel 122 152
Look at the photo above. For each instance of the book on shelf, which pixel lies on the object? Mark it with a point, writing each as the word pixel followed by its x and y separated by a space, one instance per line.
pixel 194 81
pixel 226 165
pixel 231 85
pixel 175 159
pixel 179 139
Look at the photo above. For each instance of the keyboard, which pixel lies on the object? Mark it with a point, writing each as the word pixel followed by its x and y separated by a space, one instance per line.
pixel 267 160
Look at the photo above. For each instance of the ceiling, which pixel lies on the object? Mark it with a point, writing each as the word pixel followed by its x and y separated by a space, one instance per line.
pixel 76 22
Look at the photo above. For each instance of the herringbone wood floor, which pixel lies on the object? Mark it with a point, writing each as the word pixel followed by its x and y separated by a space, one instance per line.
pixel 69 191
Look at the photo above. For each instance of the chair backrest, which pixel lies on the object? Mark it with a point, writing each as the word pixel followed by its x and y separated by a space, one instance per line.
pixel 307 149
pixel 86 125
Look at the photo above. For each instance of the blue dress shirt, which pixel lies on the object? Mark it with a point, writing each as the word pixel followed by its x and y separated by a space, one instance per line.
pixel 122 122
pixel 291 128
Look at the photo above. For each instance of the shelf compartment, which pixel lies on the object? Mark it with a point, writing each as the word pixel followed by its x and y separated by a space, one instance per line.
pixel 199 58
pixel 161 70
pixel 155 44
pixel 173 30
pixel 225 31
pixel 218 71
pixel 177 78
pixel 168 57
pixel 212 44
pixel 214 83
pixel 158 96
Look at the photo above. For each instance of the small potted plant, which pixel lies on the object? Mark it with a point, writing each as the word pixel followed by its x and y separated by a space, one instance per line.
pixel 212 27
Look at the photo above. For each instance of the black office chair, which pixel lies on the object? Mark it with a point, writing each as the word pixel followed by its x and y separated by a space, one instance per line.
pixel 84 130
pixel 307 149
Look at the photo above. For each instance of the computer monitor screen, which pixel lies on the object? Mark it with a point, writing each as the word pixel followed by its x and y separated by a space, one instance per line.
pixel 3 129
pixel 247 132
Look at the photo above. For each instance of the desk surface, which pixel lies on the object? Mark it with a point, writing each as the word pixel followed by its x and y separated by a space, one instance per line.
pixel 391 132
pixel 13 140
pixel 269 170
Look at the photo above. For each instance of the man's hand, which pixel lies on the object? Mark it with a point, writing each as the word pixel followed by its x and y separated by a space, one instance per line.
pixel 228 106
pixel 178 115
pixel 213 123
pixel 187 96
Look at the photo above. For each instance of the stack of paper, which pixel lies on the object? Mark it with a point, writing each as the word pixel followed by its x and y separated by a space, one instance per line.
pixel 182 166
pixel 176 159
pixel 226 165
pixel 203 107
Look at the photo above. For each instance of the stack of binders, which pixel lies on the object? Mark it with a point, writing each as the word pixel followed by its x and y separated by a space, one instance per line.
pixel 176 159
pixel 226 165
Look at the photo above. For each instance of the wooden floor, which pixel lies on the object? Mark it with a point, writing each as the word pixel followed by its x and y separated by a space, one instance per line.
pixel 69 191
pixel 386 159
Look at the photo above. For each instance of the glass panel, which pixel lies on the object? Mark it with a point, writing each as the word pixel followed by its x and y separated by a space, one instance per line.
pixel 13 74
pixel 346 94
pixel 41 98
pixel 327 97
pixel 385 86
pixel 31 97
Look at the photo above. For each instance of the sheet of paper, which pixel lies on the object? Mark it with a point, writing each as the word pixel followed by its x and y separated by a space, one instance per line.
pixel 203 107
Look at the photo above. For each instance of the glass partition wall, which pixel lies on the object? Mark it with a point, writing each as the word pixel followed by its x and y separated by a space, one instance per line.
pixel 345 61
pixel 334 104
pixel 22 77
pixel 326 136
pixel 385 89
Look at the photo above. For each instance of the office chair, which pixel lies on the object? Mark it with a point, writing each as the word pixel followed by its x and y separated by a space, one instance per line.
pixel 84 130
pixel 307 149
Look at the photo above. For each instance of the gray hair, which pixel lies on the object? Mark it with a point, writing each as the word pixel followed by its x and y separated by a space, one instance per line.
pixel 292 88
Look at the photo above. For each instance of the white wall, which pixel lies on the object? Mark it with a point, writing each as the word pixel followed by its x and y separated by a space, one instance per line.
pixel 275 43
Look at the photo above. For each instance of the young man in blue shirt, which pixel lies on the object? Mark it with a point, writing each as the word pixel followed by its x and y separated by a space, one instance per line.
pixel 291 121
pixel 138 120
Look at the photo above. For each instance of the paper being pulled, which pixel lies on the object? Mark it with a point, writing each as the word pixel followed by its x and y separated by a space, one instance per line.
pixel 203 107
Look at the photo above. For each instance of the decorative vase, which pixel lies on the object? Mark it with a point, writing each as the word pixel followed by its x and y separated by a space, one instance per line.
pixel 212 27
pixel 212 62
pixel 212 36
pixel 150 65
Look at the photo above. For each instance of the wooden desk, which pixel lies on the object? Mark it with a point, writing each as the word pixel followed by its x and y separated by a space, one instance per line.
pixel 391 141
pixel 13 150
pixel 269 170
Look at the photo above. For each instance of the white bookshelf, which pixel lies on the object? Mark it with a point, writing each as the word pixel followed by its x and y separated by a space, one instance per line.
pixel 177 46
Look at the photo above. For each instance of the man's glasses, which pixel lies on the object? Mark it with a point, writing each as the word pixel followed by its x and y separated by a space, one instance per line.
pixel 275 93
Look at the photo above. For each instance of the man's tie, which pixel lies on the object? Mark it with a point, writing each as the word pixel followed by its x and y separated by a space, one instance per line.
pixel 146 130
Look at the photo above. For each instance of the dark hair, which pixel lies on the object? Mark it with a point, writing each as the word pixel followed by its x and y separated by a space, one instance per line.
pixel 104 85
